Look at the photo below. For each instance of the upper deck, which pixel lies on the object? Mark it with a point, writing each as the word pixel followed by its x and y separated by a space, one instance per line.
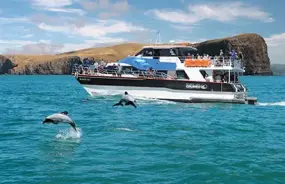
pixel 186 56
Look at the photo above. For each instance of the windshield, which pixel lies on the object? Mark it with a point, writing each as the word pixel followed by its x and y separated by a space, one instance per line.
pixel 187 51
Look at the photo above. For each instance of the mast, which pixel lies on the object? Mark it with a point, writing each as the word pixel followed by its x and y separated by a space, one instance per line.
pixel 158 39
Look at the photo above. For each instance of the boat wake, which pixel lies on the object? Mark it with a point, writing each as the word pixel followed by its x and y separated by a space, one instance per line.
pixel 143 100
pixel 282 103
pixel 140 99
pixel 104 93
pixel 69 134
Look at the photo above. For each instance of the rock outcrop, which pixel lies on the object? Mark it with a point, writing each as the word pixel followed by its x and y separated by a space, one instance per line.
pixel 5 65
pixel 53 66
pixel 252 47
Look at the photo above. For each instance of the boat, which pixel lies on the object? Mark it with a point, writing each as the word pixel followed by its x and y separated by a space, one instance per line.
pixel 174 72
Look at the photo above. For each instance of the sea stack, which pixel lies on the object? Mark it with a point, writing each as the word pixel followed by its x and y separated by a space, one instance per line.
pixel 252 46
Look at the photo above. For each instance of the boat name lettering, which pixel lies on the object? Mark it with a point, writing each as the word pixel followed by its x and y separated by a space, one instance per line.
pixel 84 79
pixel 196 86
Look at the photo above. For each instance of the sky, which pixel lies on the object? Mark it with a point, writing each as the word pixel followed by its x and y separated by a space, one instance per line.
pixel 54 26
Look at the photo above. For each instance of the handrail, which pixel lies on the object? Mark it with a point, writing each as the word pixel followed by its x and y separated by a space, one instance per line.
pixel 213 62
pixel 79 69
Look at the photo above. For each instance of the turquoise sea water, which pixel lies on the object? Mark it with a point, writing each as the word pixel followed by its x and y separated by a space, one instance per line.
pixel 159 142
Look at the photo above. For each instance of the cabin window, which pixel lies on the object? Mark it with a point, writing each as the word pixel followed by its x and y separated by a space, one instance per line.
pixel 187 51
pixel 164 52
pixel 129 68
pixel 167 52
pixel 148 52
pixel 181 74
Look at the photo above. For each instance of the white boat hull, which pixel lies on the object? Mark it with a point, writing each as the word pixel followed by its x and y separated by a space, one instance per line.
pixel 166 94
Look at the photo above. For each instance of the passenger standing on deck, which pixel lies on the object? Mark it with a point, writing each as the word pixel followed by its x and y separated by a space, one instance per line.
pixel 221 53
pixel 119 70
pixel 221 58
pixel 150 72
pixel 233 57
pixel 240 55
pixel 233 54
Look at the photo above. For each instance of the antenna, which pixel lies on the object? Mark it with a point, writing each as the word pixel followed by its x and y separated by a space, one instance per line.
pixel 158 39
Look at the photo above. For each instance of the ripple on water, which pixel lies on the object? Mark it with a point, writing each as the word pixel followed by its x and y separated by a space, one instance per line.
pixel 159 142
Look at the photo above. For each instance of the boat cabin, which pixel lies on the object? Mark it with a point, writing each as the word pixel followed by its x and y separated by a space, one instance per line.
pixel 162 51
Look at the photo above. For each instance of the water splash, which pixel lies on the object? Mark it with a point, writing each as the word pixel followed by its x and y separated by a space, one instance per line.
pixel 105 94
pixel 282 103
pixel 69 134
pixel 143 100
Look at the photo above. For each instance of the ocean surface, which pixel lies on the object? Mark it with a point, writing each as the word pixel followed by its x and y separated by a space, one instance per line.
pixel 159 142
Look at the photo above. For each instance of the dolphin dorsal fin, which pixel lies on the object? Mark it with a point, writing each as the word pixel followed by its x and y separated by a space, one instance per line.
pixel 64 112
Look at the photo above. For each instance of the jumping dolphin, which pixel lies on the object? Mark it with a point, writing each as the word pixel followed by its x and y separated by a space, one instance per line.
pixel 61 117
pixel 127 99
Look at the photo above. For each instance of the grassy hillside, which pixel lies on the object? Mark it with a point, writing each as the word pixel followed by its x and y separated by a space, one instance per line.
pixel 112 53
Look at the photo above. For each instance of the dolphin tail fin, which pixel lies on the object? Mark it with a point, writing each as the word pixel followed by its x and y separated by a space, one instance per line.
pixel 120 103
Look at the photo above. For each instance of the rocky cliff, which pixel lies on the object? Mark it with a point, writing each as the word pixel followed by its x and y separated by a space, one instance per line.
pixel 5 65
pixel 252 47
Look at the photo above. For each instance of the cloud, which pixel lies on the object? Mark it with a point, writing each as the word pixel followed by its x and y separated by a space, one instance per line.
pixel 67 10
pixel 55 20
pixel 103 41
pixel 222 12
pixel 47 47
pixel 183 27
pixel 95 30
pixel 51 3
pixel 53 28
pixel 276 40
pixel 276 47
pixel 29 47
pixel 106 8
pixel 56 6
pixel 18 43
pixel 28 36
pixel 37 48
pixel 12 20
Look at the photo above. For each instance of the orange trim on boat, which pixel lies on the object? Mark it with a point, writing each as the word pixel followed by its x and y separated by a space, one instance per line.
pixel 197 63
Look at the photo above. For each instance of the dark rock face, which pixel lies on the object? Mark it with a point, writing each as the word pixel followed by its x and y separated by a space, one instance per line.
pixel 252 47
pixel 60 66
pixel 6 65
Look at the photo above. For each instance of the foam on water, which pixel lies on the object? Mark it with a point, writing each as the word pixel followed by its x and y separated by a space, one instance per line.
pixel 103 92
pixel 125 129
pixel 69 134
pixel 282 103
pixel 142 100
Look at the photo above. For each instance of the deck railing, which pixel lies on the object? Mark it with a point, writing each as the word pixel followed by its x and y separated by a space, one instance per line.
pixel 91 70
pixel 211 61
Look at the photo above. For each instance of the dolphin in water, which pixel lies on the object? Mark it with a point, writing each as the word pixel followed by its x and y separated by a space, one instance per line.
pixel 127 99
pixel 61 117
